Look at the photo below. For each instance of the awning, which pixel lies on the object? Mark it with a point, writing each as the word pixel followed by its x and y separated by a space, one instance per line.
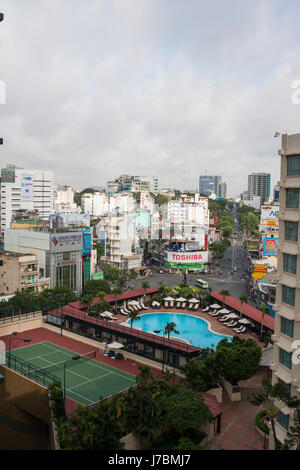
pixel 115 345
pixel 224 310
pixel 245 321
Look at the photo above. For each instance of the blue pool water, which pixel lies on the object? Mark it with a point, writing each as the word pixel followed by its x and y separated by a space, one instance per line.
pixel 193 329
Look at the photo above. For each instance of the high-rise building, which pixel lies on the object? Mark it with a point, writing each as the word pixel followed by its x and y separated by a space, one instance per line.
pixel 285 367
pixel 208 185
pixel 221 190
pixel 259 184
pixel 30 190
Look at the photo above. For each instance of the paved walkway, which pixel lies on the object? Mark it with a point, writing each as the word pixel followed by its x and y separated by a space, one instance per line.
pixel 238 429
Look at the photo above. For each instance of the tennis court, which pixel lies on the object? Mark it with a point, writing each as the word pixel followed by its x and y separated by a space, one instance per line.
pixel 86 378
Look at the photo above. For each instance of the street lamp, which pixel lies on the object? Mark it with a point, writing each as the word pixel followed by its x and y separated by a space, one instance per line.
pixel 13 336
pixel 74 358
pixel 163 362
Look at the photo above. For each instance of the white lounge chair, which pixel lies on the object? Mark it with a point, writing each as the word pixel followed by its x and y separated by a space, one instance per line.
pixel 183 305
pixel 223 319
pixel 216 314
pixel 143 306
pixel 212 312
pixel 205 309
pixel 191 306
pixel 122 311
pixel 231 323
pixel 195 307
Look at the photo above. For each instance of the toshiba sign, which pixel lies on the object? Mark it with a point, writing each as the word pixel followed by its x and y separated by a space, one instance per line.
pixel 186 257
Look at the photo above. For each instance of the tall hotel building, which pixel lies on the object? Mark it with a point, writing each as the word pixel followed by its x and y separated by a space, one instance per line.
pixel 287 319
pixel 21 189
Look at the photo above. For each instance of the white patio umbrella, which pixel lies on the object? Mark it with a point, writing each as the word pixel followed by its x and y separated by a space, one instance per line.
pixel 194 301
pixel 180 299
pixel 168 299
pixel 232 315
pixel 115 345
pixel 216 306
pixel 245 321
pixel 224 310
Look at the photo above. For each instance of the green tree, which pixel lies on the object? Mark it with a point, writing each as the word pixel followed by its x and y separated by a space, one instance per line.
pixel 202 374
pixel 274 398
pixel 170 328
pixel 145 286
pixel 265 311
pixel 292 439
pixel 244 300
pixel 133 316
pixel 87 299
pixel 239 359
pixel 224 293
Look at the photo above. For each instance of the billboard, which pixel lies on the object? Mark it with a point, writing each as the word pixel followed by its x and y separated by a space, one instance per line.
pixel 26 188
pixel 186 258
pixel 66 242
pixel 269 212
pixel 69 219
pixel 270 246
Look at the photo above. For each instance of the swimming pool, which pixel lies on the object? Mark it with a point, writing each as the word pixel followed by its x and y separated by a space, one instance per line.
pixel 193 329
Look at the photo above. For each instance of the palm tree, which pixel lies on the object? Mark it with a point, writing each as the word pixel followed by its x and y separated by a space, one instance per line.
pixel 264 310
pixel 145 286
pixel 133 315
pixel 274 398
pixel 244 300
pixel 293 434
pixel 170 328
pixel 224 293
pixel 88 300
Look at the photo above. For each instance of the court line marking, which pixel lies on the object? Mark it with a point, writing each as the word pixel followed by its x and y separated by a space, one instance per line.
pixel 100 365
pixel 111 370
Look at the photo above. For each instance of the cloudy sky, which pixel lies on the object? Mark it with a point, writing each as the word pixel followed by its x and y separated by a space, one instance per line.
pixel 173 88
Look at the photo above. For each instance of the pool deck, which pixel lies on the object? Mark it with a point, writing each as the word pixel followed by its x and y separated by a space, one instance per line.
pixel 216 326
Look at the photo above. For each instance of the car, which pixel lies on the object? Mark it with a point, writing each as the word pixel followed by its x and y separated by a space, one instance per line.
pixel 161 271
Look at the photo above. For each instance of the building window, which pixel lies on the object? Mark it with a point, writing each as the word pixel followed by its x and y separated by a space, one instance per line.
pixel 285 385
pixel 290 263
pixel 292 198
pixel 291 231
pixel 293 165
pixel 287 327
pixel 285 358
pixel 66 256
pixel 288 295
pixel 283 420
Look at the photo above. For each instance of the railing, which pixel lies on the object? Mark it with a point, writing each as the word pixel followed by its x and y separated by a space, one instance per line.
pixel 25 368
pixel 23 316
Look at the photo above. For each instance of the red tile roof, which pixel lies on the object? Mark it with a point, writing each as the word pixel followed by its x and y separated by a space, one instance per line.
pixel 248 311
pixel 110 298
pixel 212 403
pixel 116 328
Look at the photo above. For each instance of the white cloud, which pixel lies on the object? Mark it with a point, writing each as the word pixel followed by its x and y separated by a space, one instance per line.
pixel 100 88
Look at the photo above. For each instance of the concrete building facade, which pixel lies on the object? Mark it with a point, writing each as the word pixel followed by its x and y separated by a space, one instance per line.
pixel 286 366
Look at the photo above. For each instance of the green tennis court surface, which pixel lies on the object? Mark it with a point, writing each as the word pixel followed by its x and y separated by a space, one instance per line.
pixel 85 381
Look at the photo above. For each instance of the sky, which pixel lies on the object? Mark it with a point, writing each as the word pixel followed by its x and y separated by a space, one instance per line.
pixel 171 88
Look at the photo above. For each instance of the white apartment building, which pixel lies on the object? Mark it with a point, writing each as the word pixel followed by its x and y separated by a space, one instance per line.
pixel 95 204
pixel 120 239
pixel 64 195
pixel 146 201
pixel 25 189
pixel 285 366
pixel 122 203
